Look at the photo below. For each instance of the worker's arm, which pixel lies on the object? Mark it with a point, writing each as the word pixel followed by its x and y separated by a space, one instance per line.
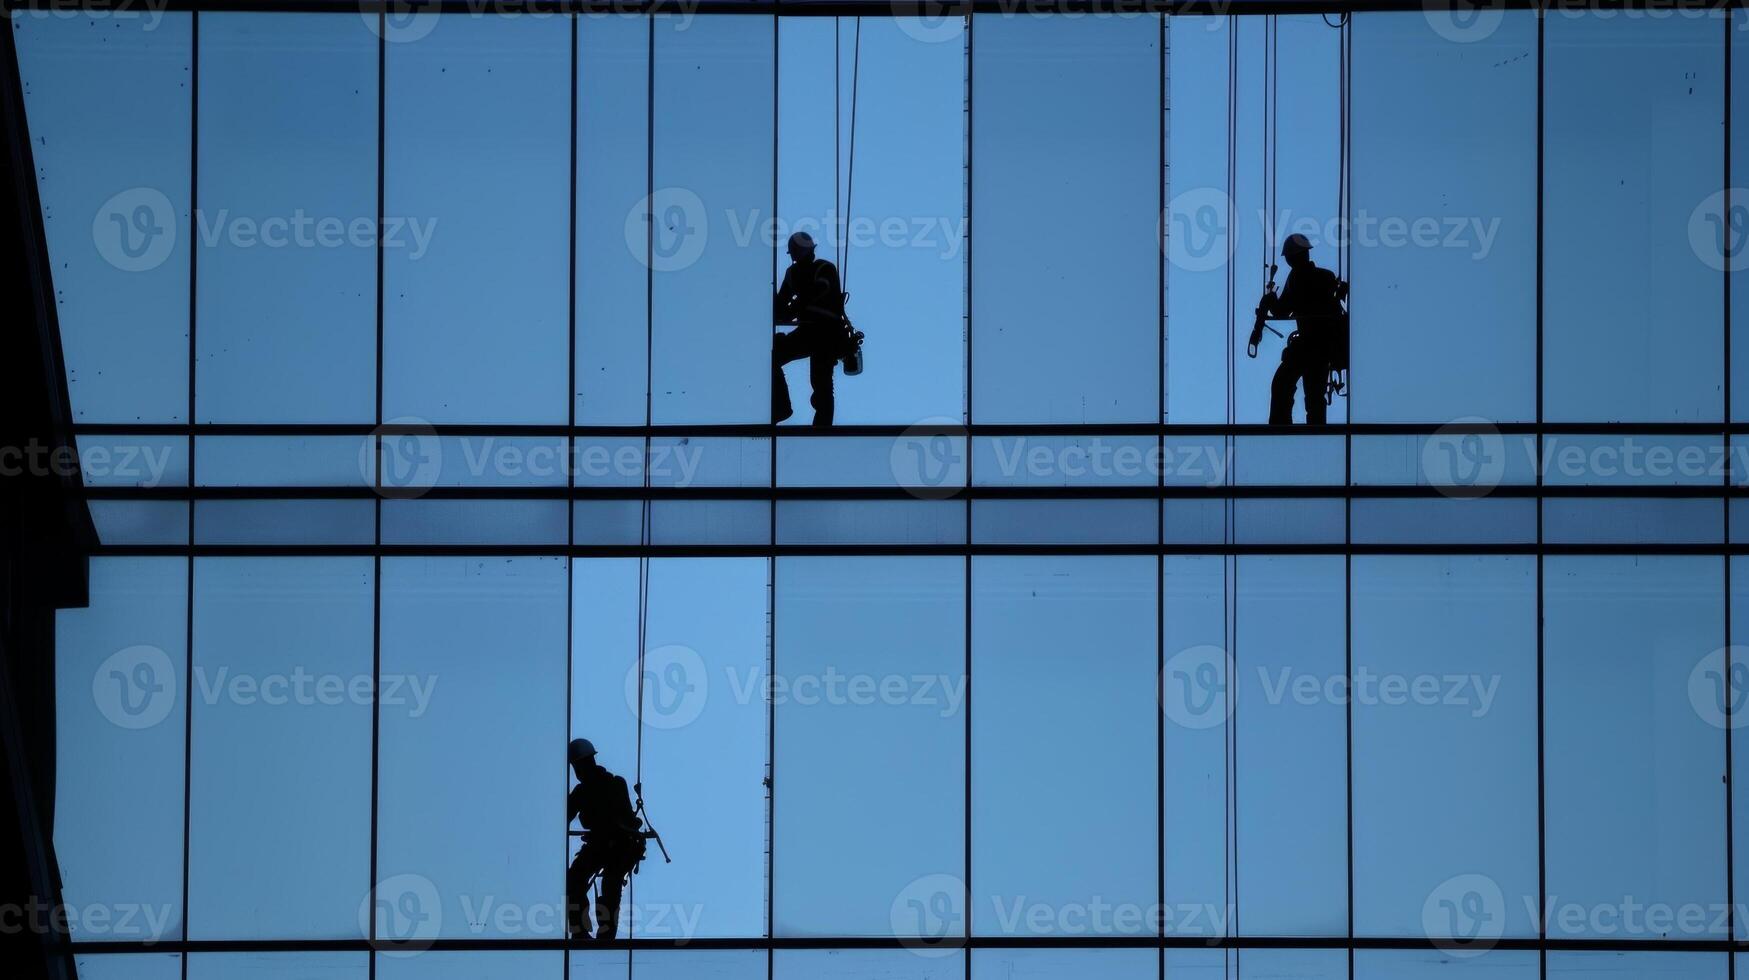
pixel 628 817
pixel 783 304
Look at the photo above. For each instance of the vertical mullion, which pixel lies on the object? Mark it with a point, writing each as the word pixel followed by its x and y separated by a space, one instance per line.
pixel 188 630
pixel 771 534
pixel 966 750
pixel 570 502
pixel 376 642
pixel 1541 761
pixel 1729 15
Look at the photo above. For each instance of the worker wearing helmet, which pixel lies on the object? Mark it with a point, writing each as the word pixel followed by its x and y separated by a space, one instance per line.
pixel 613 842
pixel 1312 298
pixel 811 298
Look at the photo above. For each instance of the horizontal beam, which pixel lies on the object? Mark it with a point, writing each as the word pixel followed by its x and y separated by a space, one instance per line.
pixel 900 550
pixel 900 493
pixel 846 8
pixel 975 430
pixel 976 942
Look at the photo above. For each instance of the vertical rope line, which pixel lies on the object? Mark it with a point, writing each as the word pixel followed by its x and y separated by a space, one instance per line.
pixel 850 168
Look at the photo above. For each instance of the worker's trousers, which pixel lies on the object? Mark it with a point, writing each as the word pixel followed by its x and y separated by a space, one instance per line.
pixel 1303 364
pixel 822 346
pixel 611 861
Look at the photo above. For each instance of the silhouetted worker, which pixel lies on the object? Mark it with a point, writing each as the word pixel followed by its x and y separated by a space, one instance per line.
pixel 613 842
pixel 1313 299
pixel 810 298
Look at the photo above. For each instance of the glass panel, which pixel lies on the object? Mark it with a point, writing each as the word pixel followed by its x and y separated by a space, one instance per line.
pixel 486 637
pixel 131 966
pixel 1065 964
pixel 929 462
pixel 613 105
pixel 117 223
pixel 1463 463
pixel 1442 521
pixel 1293 964
pixel 1630 521
pixel 1290 747
pixel 1065 521
pixel 1195 695
pixel 1445 196
pixel 902 218
pixel 1199 237
pixel 1065 280
pixel 140 521
pixel 1404 964
pixel 1289 460
pixel 278 966
pixel 1633 460
pixel 912 522
pixel 295 522
pixel 1446 650
pixel 120 680
pixel 1279 521
pixel 287 290
pixel 1062 461
pixel 1645 965
pixel 284 461
pixel 498 964
pixel 725 522
pixel 1720 223
pixel 483 522
pixel 1635 807
pixel 131 461
pixel 871 668
pixel 282 735
pixel 1633 126
pixel 1717 686
pixel 475 325
pixel 712 254
pixel 704 718
pixel 1064 651
pixel 866 964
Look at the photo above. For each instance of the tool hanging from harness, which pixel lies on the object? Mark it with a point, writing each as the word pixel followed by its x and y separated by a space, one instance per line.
pixel 852 337
pixel 1334 328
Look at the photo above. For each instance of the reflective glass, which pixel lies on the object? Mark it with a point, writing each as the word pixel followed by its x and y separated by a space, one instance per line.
pixel 704 730
pixel 484 638
pixel 286 289
pixel 712 252
pixel 1443 152
pixel 1633 127
pixel 120 681
pixel 1064 646
pixel 475 323
pixel 613 65
pixel 1290 746
pixel 1635 806
pixel 1065 282
pixel 1445 738
pixel 870 699
pixel 117 223
pixel 282 733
